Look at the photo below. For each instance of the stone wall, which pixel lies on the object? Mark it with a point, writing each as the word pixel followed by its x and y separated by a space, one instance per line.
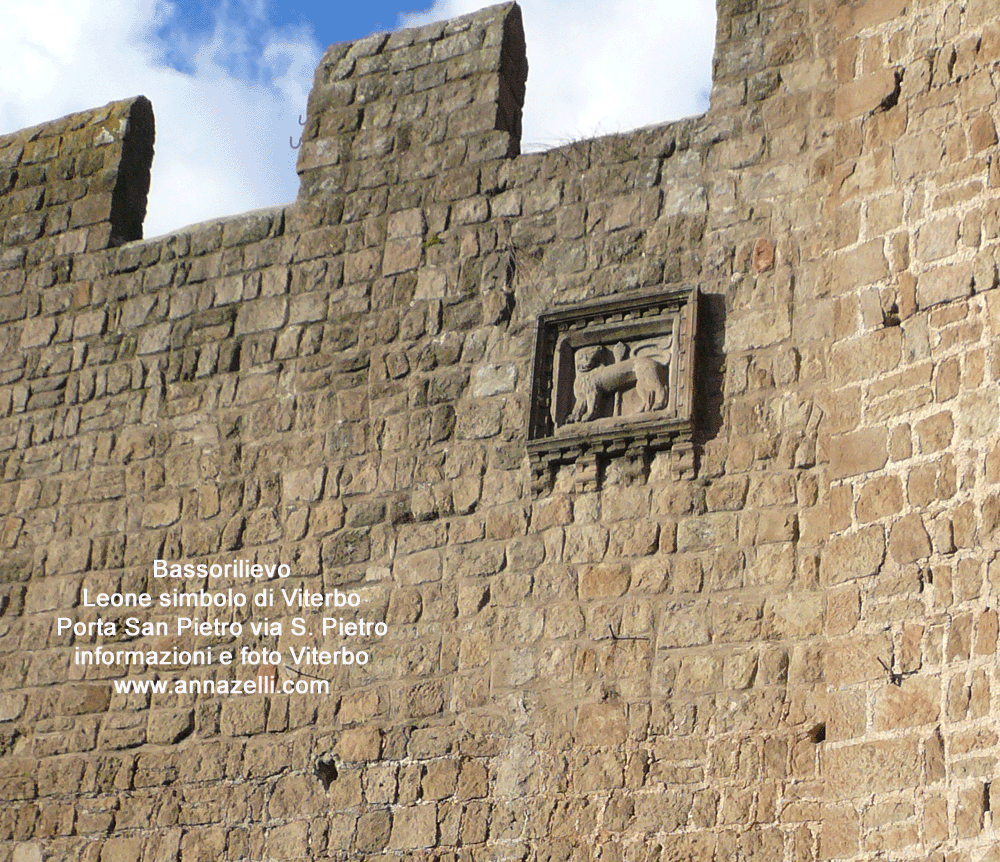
pixel 775 641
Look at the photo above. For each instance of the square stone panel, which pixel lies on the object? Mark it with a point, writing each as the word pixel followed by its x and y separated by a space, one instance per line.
pixel 612 377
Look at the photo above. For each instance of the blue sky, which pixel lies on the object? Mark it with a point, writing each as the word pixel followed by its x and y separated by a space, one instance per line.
pixel 330 21
pixel 228 80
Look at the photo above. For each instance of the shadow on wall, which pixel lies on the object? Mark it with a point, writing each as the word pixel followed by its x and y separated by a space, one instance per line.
pixel 710 367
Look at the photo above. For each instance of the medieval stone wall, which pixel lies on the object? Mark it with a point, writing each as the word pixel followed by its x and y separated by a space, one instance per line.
pixel 773 639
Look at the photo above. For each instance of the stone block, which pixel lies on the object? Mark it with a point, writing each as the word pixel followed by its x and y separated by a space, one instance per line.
pixel 864 264
pixel 122 850
pixel 38 332
pixel 11 706
pixel 601 725
pixel 418 568
pixel 913 702
pixel 359 744
pixel 858 452
pixel 706 531
pixel 154 339
pixel 606 580
pixel 262 315
pixel 855 659
pixel 401 255
pixel 490 380
pixel 684 626
pixel 841 834
pixel 935 432
pixel 373 831
pixel 413 827
pixel 944 283
pixel 908 539
pixel 982 133
pixel 853 555
pixel 879 498
pixel 888 765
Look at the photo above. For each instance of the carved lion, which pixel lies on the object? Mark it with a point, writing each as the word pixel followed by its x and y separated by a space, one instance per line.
pixel 595 380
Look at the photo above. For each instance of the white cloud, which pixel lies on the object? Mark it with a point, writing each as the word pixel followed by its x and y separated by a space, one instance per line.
pixel 222 135
pixel 602 67
pixel 221 139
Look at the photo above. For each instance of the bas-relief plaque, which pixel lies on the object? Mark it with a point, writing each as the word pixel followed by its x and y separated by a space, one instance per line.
pixel 612 377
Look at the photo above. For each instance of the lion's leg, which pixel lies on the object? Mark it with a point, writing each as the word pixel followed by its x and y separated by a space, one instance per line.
pixel 652 393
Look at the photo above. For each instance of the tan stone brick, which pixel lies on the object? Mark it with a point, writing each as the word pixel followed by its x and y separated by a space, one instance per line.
pixel 418 568
pixel 908 540
pixel 944 283
pixel 705 532
pixel 975 413
pixel 38 332
pixel 373 831
pixel 879 498
pixel 841 507
pixel 964 525
pixel 922 485
pixel 603 581
pixel 913 702
pixel 900 444
pixel 796 617
pixel 854 555
pixel 863 95
pixel 938 239
pixel 773 565
pixel 969 812
pixel 473 781
pixel 11 706
pixel 359 744
pixel 934 433
pixel 684 626
pixel 401 255
pixel 775 490
pixel 552 511
pixel 775 526
pixel 840 837
pixel 585 544
pixel 982 133
pixel 959 638
pixel 858 452
pixel 888 765
pixel 854 660
pixel 288 841
pixel 262 315
pixel 122 849
pixel 986 632
pixel 601 724
pixel 843 610
pixel 439 780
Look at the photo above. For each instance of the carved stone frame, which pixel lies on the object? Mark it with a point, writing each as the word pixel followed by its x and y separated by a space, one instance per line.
pixel 628 319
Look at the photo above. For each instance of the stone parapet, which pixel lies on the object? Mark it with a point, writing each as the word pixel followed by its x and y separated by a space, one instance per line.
pixel 759 624
pixel 76 185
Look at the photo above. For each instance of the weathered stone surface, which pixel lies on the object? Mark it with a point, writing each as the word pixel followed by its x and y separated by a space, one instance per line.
pixel 773 640
pixel 887 765
pixel 853 555
pixel 908 540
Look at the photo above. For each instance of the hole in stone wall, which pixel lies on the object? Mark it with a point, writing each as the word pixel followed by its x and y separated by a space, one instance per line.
pixel 484 599
pixel 326 771
pixel 986 795
pixel 818 733
pixel 890 316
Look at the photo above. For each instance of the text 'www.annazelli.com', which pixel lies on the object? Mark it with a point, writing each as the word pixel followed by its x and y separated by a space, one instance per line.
pixel 259 685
